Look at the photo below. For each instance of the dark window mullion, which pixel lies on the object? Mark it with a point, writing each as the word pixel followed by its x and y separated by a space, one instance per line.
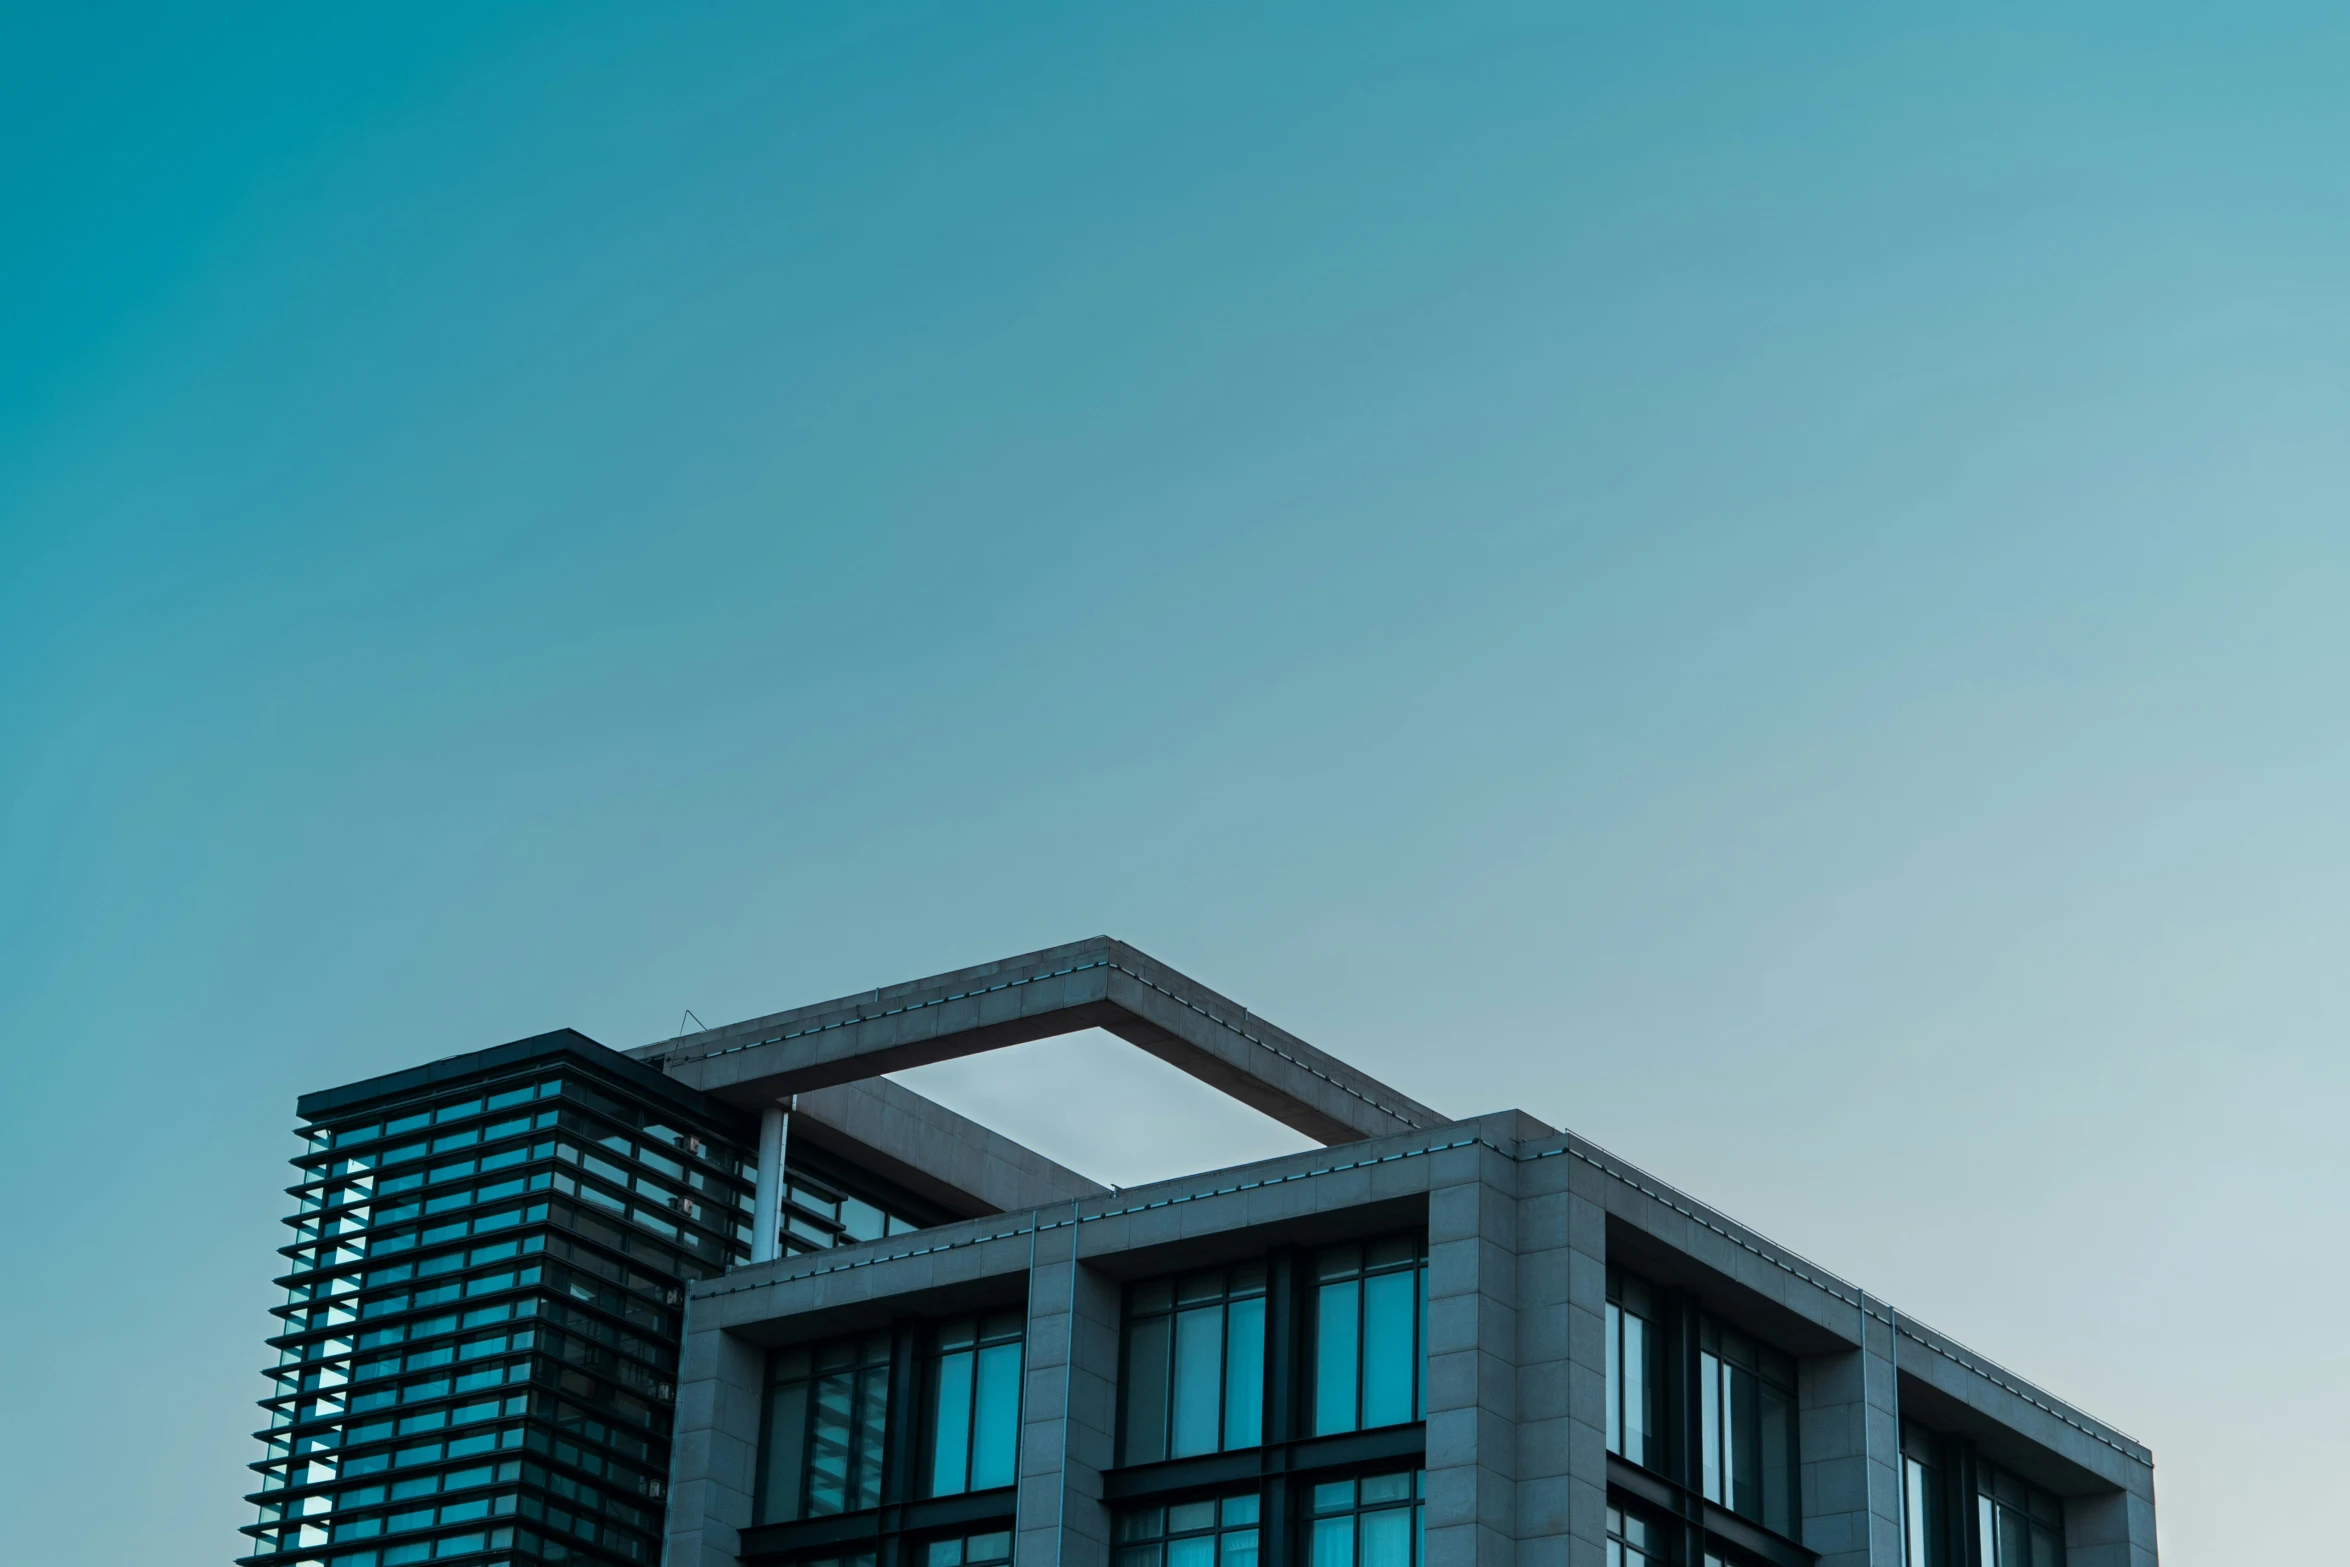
pixel 1223 1360
pixel 902 1443
pixel 1420 1337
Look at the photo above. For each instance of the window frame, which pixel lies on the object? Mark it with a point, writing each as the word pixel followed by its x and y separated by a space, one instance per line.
pixel 1316 1286
pixel 927 1552
pixel 1718 1436
pixel 991 1332
pixel 1681 1338
pixel 867 1354
pixel 1312 1515
pixel 1621 1548
pixel 1234 1512
pixel 1629 1299
pixel 1239 1285
pixel 2038 1513
pixel 1925 1499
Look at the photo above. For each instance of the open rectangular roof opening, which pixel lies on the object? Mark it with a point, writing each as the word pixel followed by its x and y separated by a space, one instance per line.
pixel 1093 1102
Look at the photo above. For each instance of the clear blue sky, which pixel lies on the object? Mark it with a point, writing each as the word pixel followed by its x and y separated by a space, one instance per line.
pixel 1768 585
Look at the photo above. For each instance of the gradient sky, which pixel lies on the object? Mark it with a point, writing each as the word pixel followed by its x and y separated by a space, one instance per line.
pixel 1766 584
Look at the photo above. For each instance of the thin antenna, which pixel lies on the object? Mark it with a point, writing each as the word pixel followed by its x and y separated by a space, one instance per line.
pixel 698 1023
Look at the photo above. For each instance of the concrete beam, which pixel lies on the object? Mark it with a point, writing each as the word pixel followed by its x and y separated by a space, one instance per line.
pixel 930 1150
pixel 1098 983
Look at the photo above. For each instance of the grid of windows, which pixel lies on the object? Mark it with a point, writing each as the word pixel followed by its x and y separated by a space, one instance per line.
pixel 1633 1541
pixel 824 1207
pixel 969 1550
pixel 1741 1410
pixel 471 1361
pixel 2016 1523
pixel 1194 1375
pixel 836 1439
pixel 827 1422
pixel 1746 1426
pixel 1374 1521
pixel 1634 1372
pixel 1924 1529
pixel 972 1433
pixel 1369 1304
pixel 1205 1532
pixel 1200 1363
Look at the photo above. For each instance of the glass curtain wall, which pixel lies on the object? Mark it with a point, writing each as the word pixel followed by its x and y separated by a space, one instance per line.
pixel 1370 1302
pixel 2016 1523
pixel 478 1339
pixel 1195 1365
pixel 1634 1372
pixel 969 1550
pixel 1209 1532
pixel 827 1421
pixel 972 1431
pixel 827 1203
pixel 1923 1528
pixel 1632 1541
pixel 1374 1521
pixel 1746 1423
pixel 1741 1409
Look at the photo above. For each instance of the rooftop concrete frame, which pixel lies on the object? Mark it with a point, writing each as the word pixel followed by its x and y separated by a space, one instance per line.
pixel 1097 983
pixel 1523 1223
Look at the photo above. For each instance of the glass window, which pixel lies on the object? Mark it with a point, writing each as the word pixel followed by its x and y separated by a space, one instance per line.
pixel 1195 1365
pixel 1746 1424
pixel 1923 1529
pixel 1374 1521
pixel 968 1550
pixel 827 1416
pixel 2016 1523
pixel 1368 1307
pixel 1209 1532
pixel 973 1429
pixel 1632 1541
pixel 1635 1367
pixel 820 1211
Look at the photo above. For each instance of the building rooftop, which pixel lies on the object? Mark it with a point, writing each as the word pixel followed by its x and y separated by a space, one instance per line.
pixel 822 1202
pixel 831 1054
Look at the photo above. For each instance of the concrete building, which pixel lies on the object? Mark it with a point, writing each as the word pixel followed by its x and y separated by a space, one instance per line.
pixel 892 1338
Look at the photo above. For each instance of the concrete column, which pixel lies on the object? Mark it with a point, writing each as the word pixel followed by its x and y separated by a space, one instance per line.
pixel 1068 1407
pixel 2115 1529
pixel 1472 1352
pixel 767 1221
pixel 1851 1452
pixel 1562 1364
pixel 714 1448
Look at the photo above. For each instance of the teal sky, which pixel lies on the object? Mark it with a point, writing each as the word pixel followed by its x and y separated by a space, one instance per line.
pixel 1766 584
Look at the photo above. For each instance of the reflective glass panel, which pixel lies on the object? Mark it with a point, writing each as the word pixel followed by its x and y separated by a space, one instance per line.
pixel 972 1411
pixel 1206 1532
pixel 1373 1522
pixel 1192 1379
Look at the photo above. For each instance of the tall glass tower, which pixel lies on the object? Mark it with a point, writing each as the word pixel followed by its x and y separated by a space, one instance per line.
pixel 483 1290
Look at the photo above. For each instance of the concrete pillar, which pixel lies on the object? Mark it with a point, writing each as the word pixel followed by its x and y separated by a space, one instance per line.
pixel 1562 1364
pixel 1472 1348
pixel 767 1220
pixel 1068 1407
pixel 714 1449
pixel 1851 1451
pixel 2115 1529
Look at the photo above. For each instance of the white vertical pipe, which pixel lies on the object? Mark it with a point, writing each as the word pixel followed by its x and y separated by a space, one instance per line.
pixel 767 1220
